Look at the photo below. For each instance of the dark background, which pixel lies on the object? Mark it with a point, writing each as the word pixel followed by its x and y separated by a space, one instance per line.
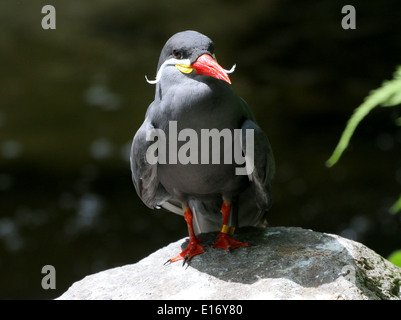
pixel 71 100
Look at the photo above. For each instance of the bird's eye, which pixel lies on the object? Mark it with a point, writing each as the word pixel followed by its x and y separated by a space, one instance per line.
pixel 177 54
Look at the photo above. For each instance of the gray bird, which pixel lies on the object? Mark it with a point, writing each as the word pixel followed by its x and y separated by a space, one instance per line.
pixel 174 162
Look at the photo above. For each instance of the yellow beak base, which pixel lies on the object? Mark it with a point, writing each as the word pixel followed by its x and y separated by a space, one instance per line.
pixel 184 68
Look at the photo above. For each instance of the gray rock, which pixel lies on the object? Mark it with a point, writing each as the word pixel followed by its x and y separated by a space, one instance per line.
pixel 281 263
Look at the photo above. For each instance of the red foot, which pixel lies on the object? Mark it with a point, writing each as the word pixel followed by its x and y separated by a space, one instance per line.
pixel 194 248
pixel 227 243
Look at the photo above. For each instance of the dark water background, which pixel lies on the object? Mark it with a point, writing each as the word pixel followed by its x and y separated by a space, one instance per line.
pixel 72 98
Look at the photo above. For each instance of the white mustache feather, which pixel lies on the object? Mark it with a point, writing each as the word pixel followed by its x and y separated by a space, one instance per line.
pixel 165 63
pixel 173 61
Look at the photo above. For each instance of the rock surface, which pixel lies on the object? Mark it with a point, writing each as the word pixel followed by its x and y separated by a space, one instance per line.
pixel 281 263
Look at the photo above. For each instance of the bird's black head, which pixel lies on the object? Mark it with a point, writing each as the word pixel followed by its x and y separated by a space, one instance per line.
pixel 186 45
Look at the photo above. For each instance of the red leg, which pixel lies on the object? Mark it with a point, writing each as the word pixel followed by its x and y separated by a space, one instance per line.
pixel 225 241
pixel 194 246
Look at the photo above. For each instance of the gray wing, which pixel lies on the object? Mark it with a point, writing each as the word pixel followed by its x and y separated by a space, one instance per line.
pixel 144 174
pixel 261 176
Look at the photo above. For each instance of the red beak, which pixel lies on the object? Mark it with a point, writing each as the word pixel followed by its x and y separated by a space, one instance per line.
pixel 207 66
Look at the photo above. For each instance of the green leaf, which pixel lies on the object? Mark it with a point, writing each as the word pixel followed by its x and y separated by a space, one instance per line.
pixel 353 122
pixel 389 94
pixel 395 258
pixel 393 99
pixel 393 89
pixel 396 206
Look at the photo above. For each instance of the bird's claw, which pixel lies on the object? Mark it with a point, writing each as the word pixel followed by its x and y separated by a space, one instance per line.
pixel 187 259
pixel 227 243
pixel 194 248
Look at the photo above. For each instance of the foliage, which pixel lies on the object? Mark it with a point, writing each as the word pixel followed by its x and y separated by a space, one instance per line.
pixel 395 258
pixel 396 206
pixel 388 95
